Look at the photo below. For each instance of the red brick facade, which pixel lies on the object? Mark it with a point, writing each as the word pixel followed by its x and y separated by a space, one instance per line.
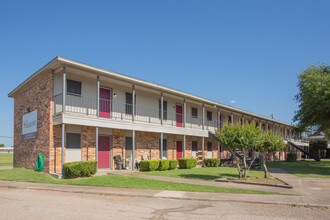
pixel 39 97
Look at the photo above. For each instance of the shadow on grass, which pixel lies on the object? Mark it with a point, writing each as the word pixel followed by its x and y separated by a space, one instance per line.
pixel 207 177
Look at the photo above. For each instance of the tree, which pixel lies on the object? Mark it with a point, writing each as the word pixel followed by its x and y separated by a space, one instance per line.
pixel 314 100
pixel 249 140
pixel 2 145
pixel 270 143
pixel 246 136
pixel 228 136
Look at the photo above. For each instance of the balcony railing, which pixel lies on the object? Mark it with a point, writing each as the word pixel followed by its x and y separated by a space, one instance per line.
pixel 123 111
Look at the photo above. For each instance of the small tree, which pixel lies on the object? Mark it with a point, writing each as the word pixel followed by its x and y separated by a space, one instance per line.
pixel 2 145
pixel 316 146
pixel 228 137
pixel 270 143
pixel 250 139
pixel 246 136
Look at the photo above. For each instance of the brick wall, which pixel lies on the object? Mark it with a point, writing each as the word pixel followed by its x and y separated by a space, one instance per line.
pixel 39 97
pixel 147 143
pixel 56 150
pixel 88 143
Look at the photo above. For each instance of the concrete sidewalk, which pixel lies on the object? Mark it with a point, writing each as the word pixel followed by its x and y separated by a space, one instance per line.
pixel 200 196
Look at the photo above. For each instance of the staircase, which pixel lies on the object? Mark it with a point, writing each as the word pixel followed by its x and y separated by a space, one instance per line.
pixel 302 150
pixel 239 154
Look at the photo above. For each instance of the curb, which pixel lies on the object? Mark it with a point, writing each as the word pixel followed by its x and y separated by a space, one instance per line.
pixel 306 205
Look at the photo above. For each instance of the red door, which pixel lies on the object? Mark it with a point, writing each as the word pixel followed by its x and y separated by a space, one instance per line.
pixel 104 152
pixel 179 112
pixel 105 98
pixel 178 150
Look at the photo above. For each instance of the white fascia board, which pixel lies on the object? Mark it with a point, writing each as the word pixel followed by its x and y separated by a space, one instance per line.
pixel 126 125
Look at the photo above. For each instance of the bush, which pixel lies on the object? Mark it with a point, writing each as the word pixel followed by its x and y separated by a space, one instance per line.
pixel 173 164
pixel 318 145
pixel 187 163
pixel 213 162
pixel 149 165
pixel 164 165
pixel 79 169
pixel 291 157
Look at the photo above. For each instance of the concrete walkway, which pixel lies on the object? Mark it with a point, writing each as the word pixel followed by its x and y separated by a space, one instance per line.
pixel 6 167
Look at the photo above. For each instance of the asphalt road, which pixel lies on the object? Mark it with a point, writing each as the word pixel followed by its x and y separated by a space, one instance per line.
pixel 34 204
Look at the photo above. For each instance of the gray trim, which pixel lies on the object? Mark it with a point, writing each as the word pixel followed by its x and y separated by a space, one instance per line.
pixel 162 108
pixel 133 102
pixel 133 149
pixel 111 152
pixel 64 89
pixel 98 97
pixel 161 145
pixel 63 143
pixel 203 117
pixel 184 147
pixel 203 156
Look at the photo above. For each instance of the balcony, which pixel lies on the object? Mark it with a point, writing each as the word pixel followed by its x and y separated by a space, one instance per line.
pixel 112 110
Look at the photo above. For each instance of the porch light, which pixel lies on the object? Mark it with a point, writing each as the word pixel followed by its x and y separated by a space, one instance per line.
pixel 115 95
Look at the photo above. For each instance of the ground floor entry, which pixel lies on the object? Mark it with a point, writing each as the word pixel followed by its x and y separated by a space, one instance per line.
pixel 104 152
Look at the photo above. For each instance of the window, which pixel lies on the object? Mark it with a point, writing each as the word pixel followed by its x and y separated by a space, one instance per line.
pixel 194 112
pixel 73 141
pixel 164 109
pixel 129 104
pixel 164 148
pixel 128 147
pixel 73 87
pixel 194 146
pixel 209 116
pixel 209 146
pixel 229 119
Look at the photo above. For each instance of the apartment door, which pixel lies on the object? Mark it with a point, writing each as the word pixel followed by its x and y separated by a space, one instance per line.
pixel 178 149
pixel 209 149
pixel 179 113
pixel 105 103
pixel 104 152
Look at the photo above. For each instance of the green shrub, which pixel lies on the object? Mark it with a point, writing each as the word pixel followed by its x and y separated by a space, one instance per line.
pixel 291 157
pixel 212 162
pixel 187 163
pixel 164 165
pixel 149 165
pixel 173 164
pixel 318 145
pixel 79 169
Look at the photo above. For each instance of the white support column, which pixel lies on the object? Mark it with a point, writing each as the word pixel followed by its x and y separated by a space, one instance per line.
pixel 111 152
pixel 62 150
pixel 63 89
pixel 242 119
pixel 184 146
pixel 285 133
pixel 267 127
pixel 232 118
pixel 133 149
pixel 97 145
pixel 98 96
pixel 184 113
pixel 162 108
pixel 218 119
pixel 161 145
pixel 203 117
pixel 133 103
pixel 203 156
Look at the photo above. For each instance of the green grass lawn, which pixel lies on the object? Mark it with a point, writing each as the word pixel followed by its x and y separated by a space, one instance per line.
pixel 206 173
pixel 6 159
pixel 307 168
pixel 21 174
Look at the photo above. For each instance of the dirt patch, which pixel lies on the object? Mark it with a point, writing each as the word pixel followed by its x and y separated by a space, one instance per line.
pixel 264 180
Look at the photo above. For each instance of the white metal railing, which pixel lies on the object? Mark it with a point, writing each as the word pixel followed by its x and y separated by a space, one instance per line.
pixel 123 111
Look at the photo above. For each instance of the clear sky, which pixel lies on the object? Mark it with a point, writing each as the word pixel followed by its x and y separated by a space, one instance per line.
pixel 241 53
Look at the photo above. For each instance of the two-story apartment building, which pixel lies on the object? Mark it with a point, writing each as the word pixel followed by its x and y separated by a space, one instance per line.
pixel 70 111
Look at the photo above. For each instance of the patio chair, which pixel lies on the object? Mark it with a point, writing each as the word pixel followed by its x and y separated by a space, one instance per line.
pixel 120 161
pixel 144 157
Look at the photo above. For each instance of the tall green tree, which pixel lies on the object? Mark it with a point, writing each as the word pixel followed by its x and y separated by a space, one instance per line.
pixel 314 99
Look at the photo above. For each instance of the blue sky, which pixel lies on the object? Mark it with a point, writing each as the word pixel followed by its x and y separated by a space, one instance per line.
pixel 247 51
